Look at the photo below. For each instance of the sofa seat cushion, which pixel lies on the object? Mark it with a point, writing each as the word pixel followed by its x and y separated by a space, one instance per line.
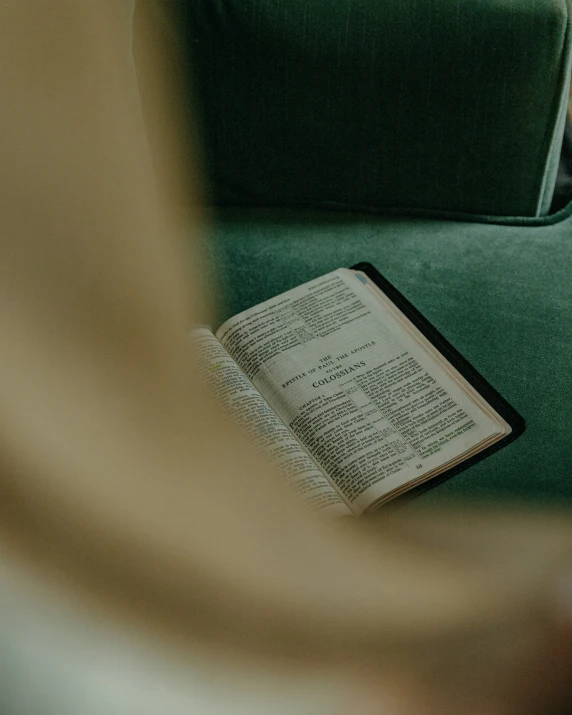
pixel 502 295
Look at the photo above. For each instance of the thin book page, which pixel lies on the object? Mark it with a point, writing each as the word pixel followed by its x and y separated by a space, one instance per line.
pixel 503 427
pixel 431 350
pixel 375 410
pixel 262 427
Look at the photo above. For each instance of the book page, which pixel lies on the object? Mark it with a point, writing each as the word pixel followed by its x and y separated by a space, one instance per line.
pixel 374 409
pixel 261 425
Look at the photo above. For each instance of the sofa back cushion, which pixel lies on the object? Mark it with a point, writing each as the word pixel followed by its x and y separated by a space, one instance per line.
pixel 411 105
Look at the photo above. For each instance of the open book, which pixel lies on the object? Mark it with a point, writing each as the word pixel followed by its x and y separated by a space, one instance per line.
pixel 351 392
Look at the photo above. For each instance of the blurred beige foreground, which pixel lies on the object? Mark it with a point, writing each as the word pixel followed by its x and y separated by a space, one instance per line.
pixel 151 562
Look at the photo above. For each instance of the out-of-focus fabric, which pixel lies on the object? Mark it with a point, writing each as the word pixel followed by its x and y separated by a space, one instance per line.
pixel 58 659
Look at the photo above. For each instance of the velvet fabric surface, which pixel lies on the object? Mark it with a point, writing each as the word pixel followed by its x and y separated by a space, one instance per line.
pixel 502 295
pixel 361 104
pixel 322 121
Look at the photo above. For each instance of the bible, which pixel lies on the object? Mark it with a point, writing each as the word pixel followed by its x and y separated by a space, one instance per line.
pixel 351 392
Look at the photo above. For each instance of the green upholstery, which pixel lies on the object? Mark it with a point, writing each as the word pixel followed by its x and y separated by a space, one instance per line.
pixel 439 110
pixel 501 295
pixel 360 104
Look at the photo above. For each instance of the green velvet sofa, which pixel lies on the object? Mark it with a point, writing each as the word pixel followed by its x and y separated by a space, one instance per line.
pixel 422 136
